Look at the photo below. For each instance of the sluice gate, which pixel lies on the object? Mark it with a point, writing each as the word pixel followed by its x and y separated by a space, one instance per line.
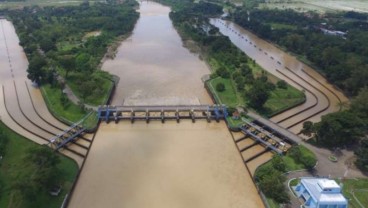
pixel 272 141
pixel 165 112
pixel 68 135
pixel 260 140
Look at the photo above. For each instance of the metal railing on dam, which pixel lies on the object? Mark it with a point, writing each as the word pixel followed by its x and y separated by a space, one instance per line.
pixel 164 112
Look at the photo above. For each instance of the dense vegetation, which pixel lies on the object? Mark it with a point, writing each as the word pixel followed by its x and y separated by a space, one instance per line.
pixel 241 78
pixel 270 176
pixel 342 59
pixel 29 171
pixel 345 128
pixel 66 44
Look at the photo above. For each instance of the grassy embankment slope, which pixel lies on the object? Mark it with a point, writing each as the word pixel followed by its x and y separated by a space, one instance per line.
pixel 14 166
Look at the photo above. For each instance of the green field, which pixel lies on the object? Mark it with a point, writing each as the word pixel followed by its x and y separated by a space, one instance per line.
pixel 360 189
pixel 21 4
pixel 70 112
pixel 290 163
pixel 317 5
pixel 281 99
pixel 13 166
pixel 229 96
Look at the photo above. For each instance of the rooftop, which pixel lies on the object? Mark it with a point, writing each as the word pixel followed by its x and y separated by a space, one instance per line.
pixel 317 189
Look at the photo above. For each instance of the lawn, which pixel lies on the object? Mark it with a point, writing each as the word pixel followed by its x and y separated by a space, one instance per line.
pixel 70 113
pixel 290 163
pixel 281 99
pixel 13 165
pixel 317 5
pixel 43 3
pixel 360 189
pixel 229 96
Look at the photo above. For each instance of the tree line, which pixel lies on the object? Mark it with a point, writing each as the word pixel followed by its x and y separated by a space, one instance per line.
pixel 343 60
pixel 192 21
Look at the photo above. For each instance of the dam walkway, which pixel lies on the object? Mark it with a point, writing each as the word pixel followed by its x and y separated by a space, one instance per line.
pixel 164 112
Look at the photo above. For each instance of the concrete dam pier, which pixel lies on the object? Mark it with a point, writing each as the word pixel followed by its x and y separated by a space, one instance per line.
pixel 164 112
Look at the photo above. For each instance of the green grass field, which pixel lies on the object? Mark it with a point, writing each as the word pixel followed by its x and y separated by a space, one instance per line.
pixel 43 3
pixel 71 113
pixel 281 99
pixel 229 96
pixel 317 5
pixel 360 189
pixel 13 166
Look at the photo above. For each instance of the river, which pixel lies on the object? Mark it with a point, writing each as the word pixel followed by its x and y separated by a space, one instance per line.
pixel 321 97
pixel 153 66
pixel 162 165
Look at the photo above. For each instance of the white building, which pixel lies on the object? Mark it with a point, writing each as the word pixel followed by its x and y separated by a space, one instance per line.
pixel 320 193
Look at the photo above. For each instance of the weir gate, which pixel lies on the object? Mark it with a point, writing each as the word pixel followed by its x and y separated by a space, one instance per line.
pixel 165 112
pixel 208 112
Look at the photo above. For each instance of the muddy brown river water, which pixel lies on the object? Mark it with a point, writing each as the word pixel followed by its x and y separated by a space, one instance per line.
pixel 155 164
pixel 160 165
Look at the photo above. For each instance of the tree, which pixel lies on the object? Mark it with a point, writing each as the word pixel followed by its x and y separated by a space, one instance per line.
pixel 68 63
pixel 339 129
pixel 359 105
pixel 308 128
pixel 281 84
pixel 220 87
pixel 222 72
pixel 86 88
pixel 272 186
pixel 46 44
pixel 36 71
pixel 82 62
pixel 362 155
pixel 278 163
pixel 257 95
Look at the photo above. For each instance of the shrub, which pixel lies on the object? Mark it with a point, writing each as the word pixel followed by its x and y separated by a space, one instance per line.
pixel 281 84
pixel 220 87
pixel 302 157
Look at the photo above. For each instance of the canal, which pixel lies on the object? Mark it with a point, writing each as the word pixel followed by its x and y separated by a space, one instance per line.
pixel 321 97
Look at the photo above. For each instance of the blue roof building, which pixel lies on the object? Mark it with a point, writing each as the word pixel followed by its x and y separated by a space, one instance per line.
pixel 320 193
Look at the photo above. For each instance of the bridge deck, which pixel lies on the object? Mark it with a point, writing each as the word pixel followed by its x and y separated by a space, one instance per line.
pixel 258 139
pixel 160 108
pixel 117 113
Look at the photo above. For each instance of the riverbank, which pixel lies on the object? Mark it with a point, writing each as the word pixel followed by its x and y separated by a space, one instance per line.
pixel 228 65
pixel 76 57
pixel 14 168
pixel 172 164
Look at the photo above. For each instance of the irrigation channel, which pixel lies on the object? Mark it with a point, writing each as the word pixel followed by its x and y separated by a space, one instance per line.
pixel 22 107
pixel 321 97
pixel 162 164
